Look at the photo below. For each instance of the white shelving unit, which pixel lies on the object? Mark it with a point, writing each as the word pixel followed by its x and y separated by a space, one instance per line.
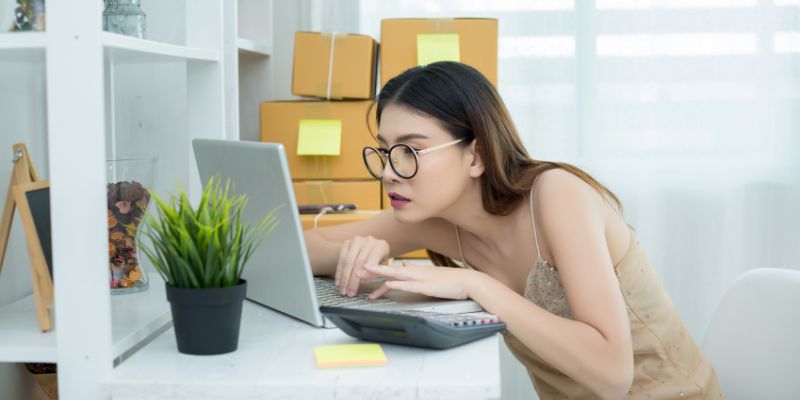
pixel 27 47
pixel 126 49
pixel 135 319
pixel 251 76
pixel 255 48
pixel 108 95
pixel 23 40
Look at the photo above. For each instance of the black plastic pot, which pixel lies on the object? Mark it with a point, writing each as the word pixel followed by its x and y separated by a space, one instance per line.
pixel 207 321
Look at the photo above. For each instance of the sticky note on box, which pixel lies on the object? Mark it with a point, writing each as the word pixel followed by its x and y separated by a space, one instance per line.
pixel 319 137
pixel 349 355
pixel 435 47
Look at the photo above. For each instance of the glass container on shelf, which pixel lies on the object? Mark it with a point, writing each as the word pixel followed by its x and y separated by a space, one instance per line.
pixel 128 181
pixel 125 17
pixel 29 16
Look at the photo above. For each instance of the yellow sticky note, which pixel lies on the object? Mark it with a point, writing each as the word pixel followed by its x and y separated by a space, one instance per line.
pixel 433 47
pixel 349 355
pixel 319 137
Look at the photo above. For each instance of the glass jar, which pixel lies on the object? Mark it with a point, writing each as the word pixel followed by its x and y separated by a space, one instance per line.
pixel 29 16
pixel 128 181
pixel 125 17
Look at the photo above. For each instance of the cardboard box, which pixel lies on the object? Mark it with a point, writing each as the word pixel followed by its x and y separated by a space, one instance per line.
pixel 365 195
pixel 322 139
pixel 407 42
pixel 334 65
pixel 334 219
pixel 421 253
pixel 307 220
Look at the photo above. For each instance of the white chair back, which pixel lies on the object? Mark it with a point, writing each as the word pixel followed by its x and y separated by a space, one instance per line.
pixel 753 340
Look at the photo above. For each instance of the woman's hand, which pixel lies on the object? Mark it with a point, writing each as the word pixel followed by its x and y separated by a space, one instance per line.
pixel 353 255
pixel 442 282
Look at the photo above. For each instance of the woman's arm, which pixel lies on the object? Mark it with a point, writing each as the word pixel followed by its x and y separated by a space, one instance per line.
pixel 602 364
pixel 322 253
pixel 595 348
pixel 345 245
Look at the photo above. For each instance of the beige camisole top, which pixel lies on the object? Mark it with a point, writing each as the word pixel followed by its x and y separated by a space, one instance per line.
pixel 667 362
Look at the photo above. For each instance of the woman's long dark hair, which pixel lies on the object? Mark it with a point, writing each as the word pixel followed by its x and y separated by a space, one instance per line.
pixel 467 106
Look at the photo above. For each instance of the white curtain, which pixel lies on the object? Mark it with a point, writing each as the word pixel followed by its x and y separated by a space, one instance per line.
pixel 687 109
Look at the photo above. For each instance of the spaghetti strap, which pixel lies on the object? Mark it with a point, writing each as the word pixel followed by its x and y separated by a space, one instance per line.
pixel 461 252
pixel 539 258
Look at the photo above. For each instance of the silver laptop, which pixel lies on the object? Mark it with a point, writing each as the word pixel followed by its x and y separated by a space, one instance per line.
pixel 279 273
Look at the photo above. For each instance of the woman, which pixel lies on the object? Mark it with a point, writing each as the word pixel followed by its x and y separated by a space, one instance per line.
pixel 542 245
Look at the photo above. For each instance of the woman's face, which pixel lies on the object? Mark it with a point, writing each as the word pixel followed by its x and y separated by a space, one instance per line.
pixel 442 174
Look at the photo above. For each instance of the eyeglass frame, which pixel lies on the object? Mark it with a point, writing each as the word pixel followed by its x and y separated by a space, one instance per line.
pixel 386 154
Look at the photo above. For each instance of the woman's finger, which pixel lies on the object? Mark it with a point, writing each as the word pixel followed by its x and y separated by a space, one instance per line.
pixel 404 273
pixel 407 286
pixel 376 257
pixel 379 292
pixel 358 264
pixel 349 262
pixel 340 263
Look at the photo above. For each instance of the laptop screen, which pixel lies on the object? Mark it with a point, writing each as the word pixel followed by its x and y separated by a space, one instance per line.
pixel 279 273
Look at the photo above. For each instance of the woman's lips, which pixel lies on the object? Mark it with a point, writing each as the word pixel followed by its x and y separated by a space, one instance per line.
pixel 397 200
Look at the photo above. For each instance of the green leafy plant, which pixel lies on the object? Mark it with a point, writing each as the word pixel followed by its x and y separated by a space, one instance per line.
pixel 206 247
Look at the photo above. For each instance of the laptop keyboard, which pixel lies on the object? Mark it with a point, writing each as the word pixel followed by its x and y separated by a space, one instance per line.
pixel 328 295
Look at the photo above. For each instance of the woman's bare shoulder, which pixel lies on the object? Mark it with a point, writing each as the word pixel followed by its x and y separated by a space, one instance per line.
pixel 566 203
pixel 559 189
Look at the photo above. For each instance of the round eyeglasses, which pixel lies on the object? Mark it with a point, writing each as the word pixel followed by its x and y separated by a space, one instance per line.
pixel 403 159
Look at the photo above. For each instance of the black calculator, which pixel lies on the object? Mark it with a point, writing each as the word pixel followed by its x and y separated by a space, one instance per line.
pixel 412 327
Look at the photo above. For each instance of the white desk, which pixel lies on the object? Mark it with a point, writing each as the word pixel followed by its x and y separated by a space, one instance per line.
pixel 275 361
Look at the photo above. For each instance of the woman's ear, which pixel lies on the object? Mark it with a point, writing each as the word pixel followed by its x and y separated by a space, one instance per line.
pixel 476 167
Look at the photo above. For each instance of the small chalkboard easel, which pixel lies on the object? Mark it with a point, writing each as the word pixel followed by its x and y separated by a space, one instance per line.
pixel 32 198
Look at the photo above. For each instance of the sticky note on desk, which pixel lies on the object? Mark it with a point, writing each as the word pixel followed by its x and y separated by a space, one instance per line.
pixel 319 137
pixel 349 355
pixel 433 47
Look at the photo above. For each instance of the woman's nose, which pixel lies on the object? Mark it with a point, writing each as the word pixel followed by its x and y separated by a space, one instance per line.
pixel 389 175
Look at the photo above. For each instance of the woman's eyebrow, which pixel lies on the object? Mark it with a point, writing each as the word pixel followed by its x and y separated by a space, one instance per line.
pixel 404 138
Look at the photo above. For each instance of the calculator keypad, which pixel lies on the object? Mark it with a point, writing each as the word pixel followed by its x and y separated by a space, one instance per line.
pixel 456 320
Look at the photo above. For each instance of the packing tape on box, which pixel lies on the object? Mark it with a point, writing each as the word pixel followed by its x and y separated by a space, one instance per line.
pixel 317 110
pixel 317 192
pixel 330 89
pixel 441 25
pixel 440 43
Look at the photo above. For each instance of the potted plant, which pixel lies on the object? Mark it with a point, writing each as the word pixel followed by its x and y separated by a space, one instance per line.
pixel 201 253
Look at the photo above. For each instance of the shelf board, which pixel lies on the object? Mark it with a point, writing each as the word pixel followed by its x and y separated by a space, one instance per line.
pixel 22 46
pixel 129 50
pixel 20 338
pixel 30 47
pixel 253 47
pixel 137 318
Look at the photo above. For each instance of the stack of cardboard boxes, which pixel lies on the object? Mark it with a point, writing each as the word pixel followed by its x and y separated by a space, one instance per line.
pixel 324 137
